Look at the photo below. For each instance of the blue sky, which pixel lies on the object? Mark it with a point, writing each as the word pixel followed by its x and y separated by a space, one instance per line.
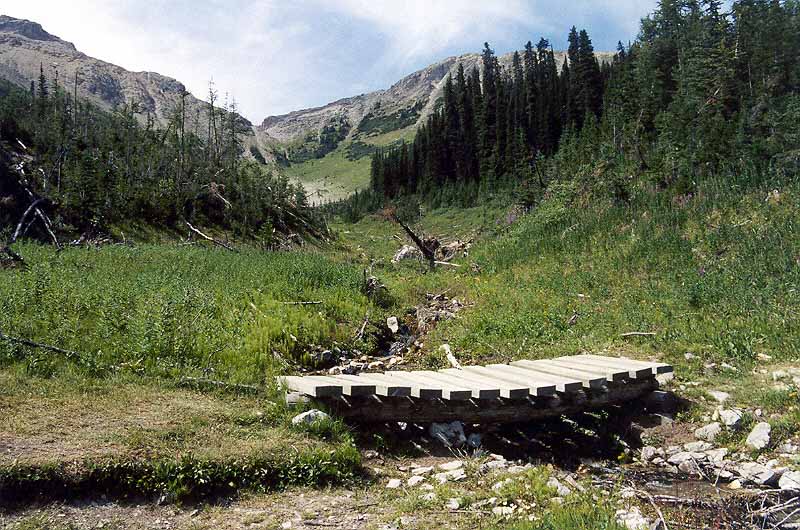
pixel 275 56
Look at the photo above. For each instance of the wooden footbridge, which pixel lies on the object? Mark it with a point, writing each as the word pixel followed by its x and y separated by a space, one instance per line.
pixel 498 393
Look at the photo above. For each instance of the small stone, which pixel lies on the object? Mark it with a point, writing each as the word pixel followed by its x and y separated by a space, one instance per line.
pixel 429 497
pixel 415 480
pixel 475 440
pixel 729 367
pixel 453 504
pixel 731 418
pixel 764 357
pixel 491 465
pixel 503 483
pixel 735 485
pixel 421 470
pixel 449 434
pixel 632 519
pixel 779 375
pixel 427 487
pixel 561 489
pixel 689 356
pixel 649 453
pixel 756 473
pixel 788 448
pixel 709 432
pixel 716 456
pixel 516 470
pixel 503 510
pixel 393 324
pixel 455 476
pixel 697 446
pixel 790 480
pixel 759 437
pixel 310 417
pixel 451 466
pixel 394 484
pixel 685 456
pixel 673 449
pixel 719 396
pixel 377 365
pixel 689 467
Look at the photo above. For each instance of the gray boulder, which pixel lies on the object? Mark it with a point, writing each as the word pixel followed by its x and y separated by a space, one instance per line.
pixel 709 432
pixel 731 418
pixel 449 434
pixel 759 436
pixel 790 480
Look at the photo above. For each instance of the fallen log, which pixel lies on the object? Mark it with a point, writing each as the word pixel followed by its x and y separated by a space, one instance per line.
pixel 209 238
pixel 32 344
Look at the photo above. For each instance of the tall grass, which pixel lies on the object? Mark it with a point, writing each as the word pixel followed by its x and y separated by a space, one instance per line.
pixel 168 311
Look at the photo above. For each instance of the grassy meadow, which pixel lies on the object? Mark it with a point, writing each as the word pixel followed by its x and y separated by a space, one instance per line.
pixel 715 275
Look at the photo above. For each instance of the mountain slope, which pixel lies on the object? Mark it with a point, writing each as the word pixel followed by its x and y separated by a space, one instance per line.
pixel 372 120
pixel 25 47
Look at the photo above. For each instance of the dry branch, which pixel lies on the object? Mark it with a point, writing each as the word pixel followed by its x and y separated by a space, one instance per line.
pixel 637 334
pixel 303 303
pixel 32 344
pixel 209 238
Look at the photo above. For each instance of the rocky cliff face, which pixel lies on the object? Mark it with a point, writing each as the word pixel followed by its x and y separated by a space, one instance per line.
pixel 25 45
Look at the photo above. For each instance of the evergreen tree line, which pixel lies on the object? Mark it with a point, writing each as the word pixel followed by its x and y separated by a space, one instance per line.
pixel 99 169
pixel 702 91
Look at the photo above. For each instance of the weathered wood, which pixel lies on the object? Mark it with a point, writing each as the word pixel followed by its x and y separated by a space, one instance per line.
pixel 507 390
pixel 418 389
pixel 308 386
pixel 589 380
pixel 209 238
pixel 658 368
pixel 535 380
pixel 632 371
pixel 371 410
pixel 350 387
pixel 383 386
pixel 522 379
pixel 431 385
pixel 478 390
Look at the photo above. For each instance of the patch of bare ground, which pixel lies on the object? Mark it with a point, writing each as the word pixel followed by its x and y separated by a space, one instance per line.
pixel 45 423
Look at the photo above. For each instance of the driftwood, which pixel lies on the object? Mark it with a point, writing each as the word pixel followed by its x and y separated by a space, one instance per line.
pixel 209 238
pixel 32 344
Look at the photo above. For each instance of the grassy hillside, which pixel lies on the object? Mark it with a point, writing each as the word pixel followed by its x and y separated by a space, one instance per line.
pixel 346 169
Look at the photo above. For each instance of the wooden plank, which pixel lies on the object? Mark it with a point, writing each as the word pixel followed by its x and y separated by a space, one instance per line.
pixel 533 380
pixel 349 387
pixel 311 388
pixel 479 390
pixel 446 391
pixel 365 410
pixel 507 390
pixel 587 380
pixel 563 384
pixel 632 372
pixel 574 370
pixel 419 389
pixel 383 386
pixel 609 372
pixel 658 368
